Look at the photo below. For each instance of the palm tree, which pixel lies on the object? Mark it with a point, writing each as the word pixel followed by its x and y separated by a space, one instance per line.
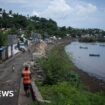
pixel 10 12
pixel 0 10
pixel 1 16
pixel 3 13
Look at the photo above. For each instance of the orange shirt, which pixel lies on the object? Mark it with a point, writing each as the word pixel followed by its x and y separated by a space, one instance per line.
pixel 26 76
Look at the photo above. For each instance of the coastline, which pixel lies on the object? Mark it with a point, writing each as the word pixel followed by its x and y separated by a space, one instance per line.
pixel 92 83
pixel 63 83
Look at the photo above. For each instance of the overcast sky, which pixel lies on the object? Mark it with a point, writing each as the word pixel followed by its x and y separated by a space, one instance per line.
pixel 75 13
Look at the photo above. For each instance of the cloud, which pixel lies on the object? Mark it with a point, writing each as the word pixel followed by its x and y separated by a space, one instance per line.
pixel 15 1
pixel 35 13
pixel 85 9
pixel 60 9
pixel 70 13
pixel 56 9
pixel 58 6
pixel 80 13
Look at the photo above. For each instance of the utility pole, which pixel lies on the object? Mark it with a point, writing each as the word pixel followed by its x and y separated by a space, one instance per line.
pixel 1 17
pixel 12 50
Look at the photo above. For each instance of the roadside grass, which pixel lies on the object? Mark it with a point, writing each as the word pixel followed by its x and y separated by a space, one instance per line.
pixel 61 85
pixel 66 94
pixel 57 67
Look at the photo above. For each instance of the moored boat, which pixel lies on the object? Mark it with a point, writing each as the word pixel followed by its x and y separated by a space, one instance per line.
pixel 83 47
pixel 103 45
pixel 95 55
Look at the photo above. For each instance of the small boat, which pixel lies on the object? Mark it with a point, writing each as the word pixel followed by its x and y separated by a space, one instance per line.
pixel 83 47
pixel 103 45
pixel 93 44
pixel 95 55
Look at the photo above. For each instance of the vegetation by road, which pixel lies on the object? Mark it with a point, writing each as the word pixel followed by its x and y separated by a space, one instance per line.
pixel 3 39
pixel 61 85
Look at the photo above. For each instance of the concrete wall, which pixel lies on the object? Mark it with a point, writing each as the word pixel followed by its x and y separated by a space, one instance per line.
pixel 4 54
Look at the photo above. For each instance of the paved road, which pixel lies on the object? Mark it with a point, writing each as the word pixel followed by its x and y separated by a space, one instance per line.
pixel 23 99
pixel 10 80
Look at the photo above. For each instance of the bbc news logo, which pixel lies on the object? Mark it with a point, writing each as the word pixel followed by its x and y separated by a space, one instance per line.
pixel 6 93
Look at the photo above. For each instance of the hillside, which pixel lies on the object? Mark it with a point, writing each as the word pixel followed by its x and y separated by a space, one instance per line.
pixel 46 27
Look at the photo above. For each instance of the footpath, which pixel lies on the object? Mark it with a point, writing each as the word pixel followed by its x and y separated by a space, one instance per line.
pixel 9 79
pixel 38 52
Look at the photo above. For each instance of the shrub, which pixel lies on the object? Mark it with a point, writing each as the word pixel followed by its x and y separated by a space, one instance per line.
pixel 3 39
pixel 66 94
pixel 63 90
pixel 57 66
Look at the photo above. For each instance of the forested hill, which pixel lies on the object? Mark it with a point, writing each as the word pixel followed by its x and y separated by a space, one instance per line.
pixel 40 25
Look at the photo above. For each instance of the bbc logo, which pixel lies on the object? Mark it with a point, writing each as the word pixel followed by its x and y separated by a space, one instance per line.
pixel 6 93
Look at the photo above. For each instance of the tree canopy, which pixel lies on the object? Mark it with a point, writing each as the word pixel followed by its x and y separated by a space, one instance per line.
pixel 41 25
pixel 3 39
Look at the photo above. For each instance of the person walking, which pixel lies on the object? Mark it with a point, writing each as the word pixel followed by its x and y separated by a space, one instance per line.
pixel 26 74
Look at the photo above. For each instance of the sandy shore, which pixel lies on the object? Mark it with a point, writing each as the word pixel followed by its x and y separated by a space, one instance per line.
pixel 92 83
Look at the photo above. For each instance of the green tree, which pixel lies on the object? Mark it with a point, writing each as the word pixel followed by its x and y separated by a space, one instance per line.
pixel 10 12
pixel 0 10
pixel 29 29
pixel 13 31
pixel 3 39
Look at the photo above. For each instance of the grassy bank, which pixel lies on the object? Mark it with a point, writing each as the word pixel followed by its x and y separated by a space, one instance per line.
pixel 61 85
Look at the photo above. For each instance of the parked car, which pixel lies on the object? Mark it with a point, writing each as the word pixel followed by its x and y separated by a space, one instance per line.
pixel 49 41
pixel 22 47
